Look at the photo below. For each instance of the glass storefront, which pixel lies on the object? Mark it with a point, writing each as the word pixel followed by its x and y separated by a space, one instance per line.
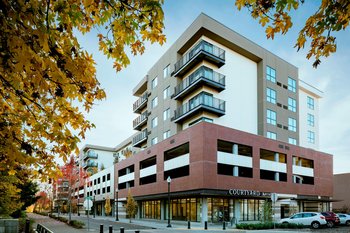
pixel 218 210
pixel 251 209
pixel 186 209
pixel 150 209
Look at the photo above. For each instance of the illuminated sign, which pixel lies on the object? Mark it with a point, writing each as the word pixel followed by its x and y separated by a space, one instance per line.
pixel 243 192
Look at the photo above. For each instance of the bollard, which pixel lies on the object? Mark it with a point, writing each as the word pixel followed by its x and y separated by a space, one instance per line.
pixel 224 225
pixel 101 228
pixel 205 225
pixel 188 225
pixel 110 229
pixel 26 229
pixel 137 231
pixel 122 230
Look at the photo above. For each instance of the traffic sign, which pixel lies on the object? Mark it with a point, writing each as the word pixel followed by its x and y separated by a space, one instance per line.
pixel 88 204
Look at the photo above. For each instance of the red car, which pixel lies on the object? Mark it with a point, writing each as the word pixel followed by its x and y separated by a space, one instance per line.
pixel 331 218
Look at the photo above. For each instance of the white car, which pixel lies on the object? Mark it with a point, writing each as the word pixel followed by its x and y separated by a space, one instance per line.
pixel 313 219
pixel 344 219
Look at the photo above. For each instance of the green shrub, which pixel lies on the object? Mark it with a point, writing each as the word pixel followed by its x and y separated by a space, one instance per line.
pixel 77 224
pixel 267 225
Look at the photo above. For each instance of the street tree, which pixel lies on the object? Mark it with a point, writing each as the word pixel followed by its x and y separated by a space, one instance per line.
pixel 131 206
pixel 48 81
pixel 275 15
pixel 108 208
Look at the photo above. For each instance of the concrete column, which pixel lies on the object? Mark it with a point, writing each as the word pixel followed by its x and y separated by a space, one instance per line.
pixel 277 157
pixel 204 210
pixel 299 163
pixel 277 176
pixel 235 149
pixel 162 210
pixel 237 211
pixel 235 171
pixel 231 209
pixel 294 160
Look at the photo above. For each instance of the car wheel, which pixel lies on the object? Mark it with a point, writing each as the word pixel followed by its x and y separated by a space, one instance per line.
pixel 315 225
pixel 330 224
pixel 347 223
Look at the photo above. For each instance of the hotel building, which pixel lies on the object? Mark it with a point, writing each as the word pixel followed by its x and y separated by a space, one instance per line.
pixel 230 123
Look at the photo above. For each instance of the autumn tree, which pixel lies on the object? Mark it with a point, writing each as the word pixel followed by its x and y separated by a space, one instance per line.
pixel 10 194
pixel 48 82
pixel 74 176
pixel 331 16
pixel 131 206
pixel 43 202
pixel 108 208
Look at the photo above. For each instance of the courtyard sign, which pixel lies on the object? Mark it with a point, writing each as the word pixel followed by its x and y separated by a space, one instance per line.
pixel 243 192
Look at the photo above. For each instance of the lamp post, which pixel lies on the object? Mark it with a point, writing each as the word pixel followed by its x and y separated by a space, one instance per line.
pixel 169 181
pixel 116 204
pixel 94 205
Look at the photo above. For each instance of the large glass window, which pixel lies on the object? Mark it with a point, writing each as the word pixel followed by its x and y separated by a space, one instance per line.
pixel 154 102
pixel 292 104
pixel 154 82
pixel 218 210
pixel 311 136
pixel 252 209
pixel 271 95
pixel 185 209
pixel 292 124
pixel 166 71
pixel 166 114
pixel 310 103
pixel 271 135
pixel 150 209
pixel 154 122
pixel 166 92
pixel 310 119
pixel 270 74
pixel 292 141
pixel 271 117
pixel 292 84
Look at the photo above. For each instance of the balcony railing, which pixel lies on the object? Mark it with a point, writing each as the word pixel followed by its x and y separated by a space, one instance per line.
pixel 202 75
pixel 202 50
pixel 201 102
pixel 140 138
pixel 90 154
pixel 90 164
pixel 140 103
pixel 140 121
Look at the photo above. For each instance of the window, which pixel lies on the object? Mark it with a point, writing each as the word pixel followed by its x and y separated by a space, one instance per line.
pixel 154 102
pixel 166 134
pixel 270 74
pixel 154 122
pixel 271 135
pixel 292 124
pixel 166 92
pixel 292 141
pixel 154 141
pixel 310 119
pixel 271 95
pixel 311 137
pixel 166 114
pixel 103 178
pixel 154 82
pixel 99 180
pixel 108 176
pixel 166 71
pixel 271 117
pixel 292 104
pixel 292 84
pixel 108 189
pixel 310 103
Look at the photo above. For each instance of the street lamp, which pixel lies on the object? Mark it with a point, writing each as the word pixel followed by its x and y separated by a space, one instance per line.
pixel 116 204
pixel 169 181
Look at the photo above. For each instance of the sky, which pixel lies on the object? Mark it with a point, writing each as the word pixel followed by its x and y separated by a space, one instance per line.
pixel 113 116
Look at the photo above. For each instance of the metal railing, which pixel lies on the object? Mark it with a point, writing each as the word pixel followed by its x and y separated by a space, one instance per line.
pixel 201 46
pixel 200 100
pixel 90 154
pixel 140 101
pixel 140 119
pixel 201 73
pixel 140 137
pixel 42 229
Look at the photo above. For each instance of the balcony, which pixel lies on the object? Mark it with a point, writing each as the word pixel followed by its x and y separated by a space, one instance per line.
pixel 140 138
pixel 140 103
pixel 201 102
pixel 90 154
pixel 202 76
pixel 202 51
pixel 90 164
pixel 140 121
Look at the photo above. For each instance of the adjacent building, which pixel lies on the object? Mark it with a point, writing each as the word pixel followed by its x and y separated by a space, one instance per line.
pixel 341 192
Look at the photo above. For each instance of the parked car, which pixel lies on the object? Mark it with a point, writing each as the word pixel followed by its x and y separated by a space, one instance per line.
pixel 344 219
pixel 331 218
pixel 312 219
